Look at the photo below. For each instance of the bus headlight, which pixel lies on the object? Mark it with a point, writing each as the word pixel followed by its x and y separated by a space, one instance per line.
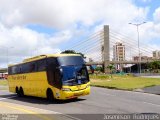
pixel 87 86
pixel 66 89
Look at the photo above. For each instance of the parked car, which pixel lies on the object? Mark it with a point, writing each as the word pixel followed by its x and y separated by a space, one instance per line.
pixel 3 75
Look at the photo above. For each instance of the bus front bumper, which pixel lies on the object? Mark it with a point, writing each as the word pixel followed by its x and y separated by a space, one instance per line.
pixel 74 94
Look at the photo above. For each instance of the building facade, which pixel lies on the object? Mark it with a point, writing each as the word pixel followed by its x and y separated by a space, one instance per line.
pixel 156 54
pixel 119 54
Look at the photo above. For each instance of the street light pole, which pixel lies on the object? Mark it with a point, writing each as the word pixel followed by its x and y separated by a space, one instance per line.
pixel 139 51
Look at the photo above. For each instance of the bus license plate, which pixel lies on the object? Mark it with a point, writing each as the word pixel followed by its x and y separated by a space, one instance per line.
pixel 78 94
pixel 79 81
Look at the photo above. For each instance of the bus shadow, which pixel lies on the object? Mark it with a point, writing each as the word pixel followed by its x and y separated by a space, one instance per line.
pixel 7 96
pixel 37 100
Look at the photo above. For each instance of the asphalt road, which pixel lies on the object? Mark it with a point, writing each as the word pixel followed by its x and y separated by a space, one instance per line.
pixel 100 101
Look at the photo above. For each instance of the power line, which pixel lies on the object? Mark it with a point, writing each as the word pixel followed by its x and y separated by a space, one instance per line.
pixel 93 36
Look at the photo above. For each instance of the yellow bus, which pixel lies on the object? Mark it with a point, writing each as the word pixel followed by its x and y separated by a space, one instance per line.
pixel 53 76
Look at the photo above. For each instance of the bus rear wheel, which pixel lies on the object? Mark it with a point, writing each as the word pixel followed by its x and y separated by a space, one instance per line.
pixel 21 93
pixel 17 91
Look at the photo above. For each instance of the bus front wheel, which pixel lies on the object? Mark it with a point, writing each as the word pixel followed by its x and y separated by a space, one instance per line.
pixel 50 96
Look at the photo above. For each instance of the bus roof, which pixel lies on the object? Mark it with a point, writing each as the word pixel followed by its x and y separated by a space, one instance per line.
pixel 39 57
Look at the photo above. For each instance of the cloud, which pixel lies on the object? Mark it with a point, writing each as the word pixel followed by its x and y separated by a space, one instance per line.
pixel 156 15
pixel 71 18
pixel 20 42
pixel 61 13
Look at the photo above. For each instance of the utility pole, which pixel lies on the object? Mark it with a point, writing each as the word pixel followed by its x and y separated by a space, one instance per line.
pixel 139 51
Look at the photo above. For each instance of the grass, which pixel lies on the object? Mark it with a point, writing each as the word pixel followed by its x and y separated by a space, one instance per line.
pixel 3 83
pixel 123 82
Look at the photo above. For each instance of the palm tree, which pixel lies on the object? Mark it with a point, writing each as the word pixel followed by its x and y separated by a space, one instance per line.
pixel 111 68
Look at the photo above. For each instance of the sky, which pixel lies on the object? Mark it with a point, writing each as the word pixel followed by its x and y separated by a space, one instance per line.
pixel 29 28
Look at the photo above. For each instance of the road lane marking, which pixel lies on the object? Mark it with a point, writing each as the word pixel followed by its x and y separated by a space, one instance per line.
pixel 131 100
pixel 24 106
pixel 152 104
pixel 35 113
pixel 7 98
pixel 5 104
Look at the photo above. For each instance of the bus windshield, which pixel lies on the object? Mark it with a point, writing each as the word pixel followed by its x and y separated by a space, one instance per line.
pixel 73 75
pixel 74 70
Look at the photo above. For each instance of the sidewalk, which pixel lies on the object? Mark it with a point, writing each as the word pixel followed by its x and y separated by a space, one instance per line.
pixel 13 111
pixel 158 76
pixel 151 90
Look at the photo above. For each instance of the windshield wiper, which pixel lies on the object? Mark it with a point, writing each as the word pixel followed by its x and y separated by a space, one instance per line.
pixel 69 80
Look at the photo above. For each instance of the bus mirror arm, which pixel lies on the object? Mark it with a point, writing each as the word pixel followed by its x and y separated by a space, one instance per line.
pixel 61 77
pixel 58 68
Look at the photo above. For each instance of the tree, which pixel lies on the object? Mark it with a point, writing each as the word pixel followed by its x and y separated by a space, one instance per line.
pixel 111 68
pixel 68 52
pixel 73 52
pixel 100 69
pixel 154 65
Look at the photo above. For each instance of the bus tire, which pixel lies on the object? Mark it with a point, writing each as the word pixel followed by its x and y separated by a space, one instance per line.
pixel 17 91
pixel 50 96
pixel 21 92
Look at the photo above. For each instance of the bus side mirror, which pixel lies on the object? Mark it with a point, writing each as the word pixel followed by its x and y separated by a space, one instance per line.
pixel 61 72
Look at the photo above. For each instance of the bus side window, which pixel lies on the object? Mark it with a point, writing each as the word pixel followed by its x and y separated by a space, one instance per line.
pixel 41 65
pixel 20 69
pixel 25 68
pixel 52 61
pixel 10 70
pixel 32 67
pixel 14 69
